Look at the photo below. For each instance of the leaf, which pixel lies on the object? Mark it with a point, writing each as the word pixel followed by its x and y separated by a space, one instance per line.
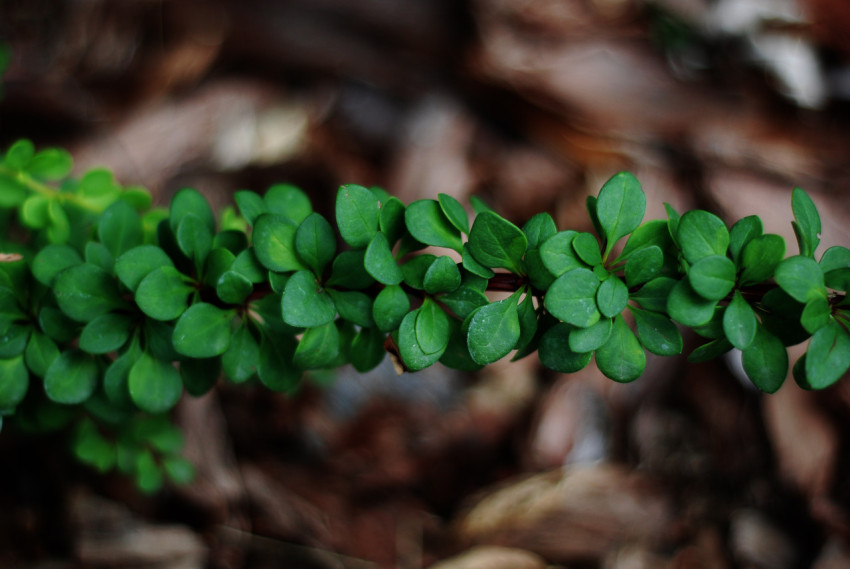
pixel 194 238
pixel 218 262
pixel 356 214
pixel 494 331
pixel 742 233
pixel 367 349
pixel 189 201
pixel 380 263
pixel 620 207
pixel 657 333
pixel 538 229
pixel 781 315
pixel 203 331
pixel 135 264
pixel 239 361
pixel 555 352
pixel 538 275
pixel 651 233
pixel 739 322
pixel 807 225
pixel 233 287
pixel 251 205
pixel 414 270
pixel 147 472
pixel 14 383
pixel 427 223
pixel 155 385
pixel 71 378
pixel 391 220
pixel 685 306
pixel 34 212
pixel 179 470
pixel 52 260
pixel 305 304
pixel 50 164
pixel 496 242
pixel 612 296
pixel 644 265
pixel 457 355
pixel 801 277
pixel 85 291
pixel 40 352
pixel 710 350
pixel 412 354
pixel 712 277
pixel 199 376
pixel 289 201
pixel 55 324
pixel 432 328
pixel 572 298
pixel 587 249
pixel 835 258
pixel 442 276
pixel 654 294
pixel 828 356
pixel 765 361
pixel 275 367
pixel 760 258
pixel 702 234
pixel 390 307
pixel 12 192
pixel 353 306
pixel 19 154
pixel 463 300
pixel 558 255
pixel 349 271
pixel 583 340
pixel 247 265
pixel 315 242
pixel 97 254
pixel 478 205
pixel 13 339
pixel 815 314
pixel 92 448
pixel 106 333
pixel 164 293
pixel 473 266
pixel 621 358
pixel 274 243
pixel 454 212
pixel 120 228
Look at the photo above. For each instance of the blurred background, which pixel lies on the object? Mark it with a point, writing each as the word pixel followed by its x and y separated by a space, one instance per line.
pixel 530 104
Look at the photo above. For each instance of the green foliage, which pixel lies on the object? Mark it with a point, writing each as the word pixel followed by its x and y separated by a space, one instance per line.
pixel 110 309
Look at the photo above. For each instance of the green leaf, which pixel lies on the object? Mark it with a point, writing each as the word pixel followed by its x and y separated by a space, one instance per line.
pixel 147 473
pixel 155 385
pixel 391 219
pixel 315 242
pixel 555 352
pixel 179 470
pixel 356 214
pixel 390 306
pixel 473 266
pixel 644 265
pixel 194 238
pixel 40 353
pixel 199 376
pixel 367 349
pixel 274 243
pixel 116 378
pixel 587 249
pixel 527 314
pixel 203 331
pixel 71 378
pixel 654 232
pixel 442 276
pixel 353 306
pixel 454 212
pixel 414 270
pixel 19 154
pixel 55 324
pixel 494 331
pixel 593 337
pixel 120 228
pixel 189 201
pixel 463 300
pixel 815 314
pixel 685 306
pixel 702 234
pixel 801 277
pixel 380 263
pixel 52 260
pixel 620 207
pixel 106 333
pixel 621 358
pixel 835 258
pixel 412 354
pixel 427 223
pixel 305 304
pixel 496 242
pixel 217 263
pixel 137 263
pixel 739 322
pixel 233 287
pixel 86 291
pixel 247 265
pixel 781 315
pixel 572 298
pixel 239 361
pixel 612 296
pixel 10 308
pixel 538 229
pixel 807 225
pixel 538 275
pixel 745 230
pixel 349 271
pixel 710 350
pixel 275 368
pixel 34 211
pixel 50 164
pixel 14 382
pixel 97 254
pixel 251 205
pixel 164 293
pixel 92 448
pixel 13 339
pixel 760 258
pixel 318 347
pixel 558 255
pixel 828 356
pixel 289 201
pixel 59 227
pixel 432 328
pixel 712 277
pixel 12 192
pixel 657 333
pixel 765 361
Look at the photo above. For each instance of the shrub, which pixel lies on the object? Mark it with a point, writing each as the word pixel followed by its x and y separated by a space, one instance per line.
pixel 110 308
